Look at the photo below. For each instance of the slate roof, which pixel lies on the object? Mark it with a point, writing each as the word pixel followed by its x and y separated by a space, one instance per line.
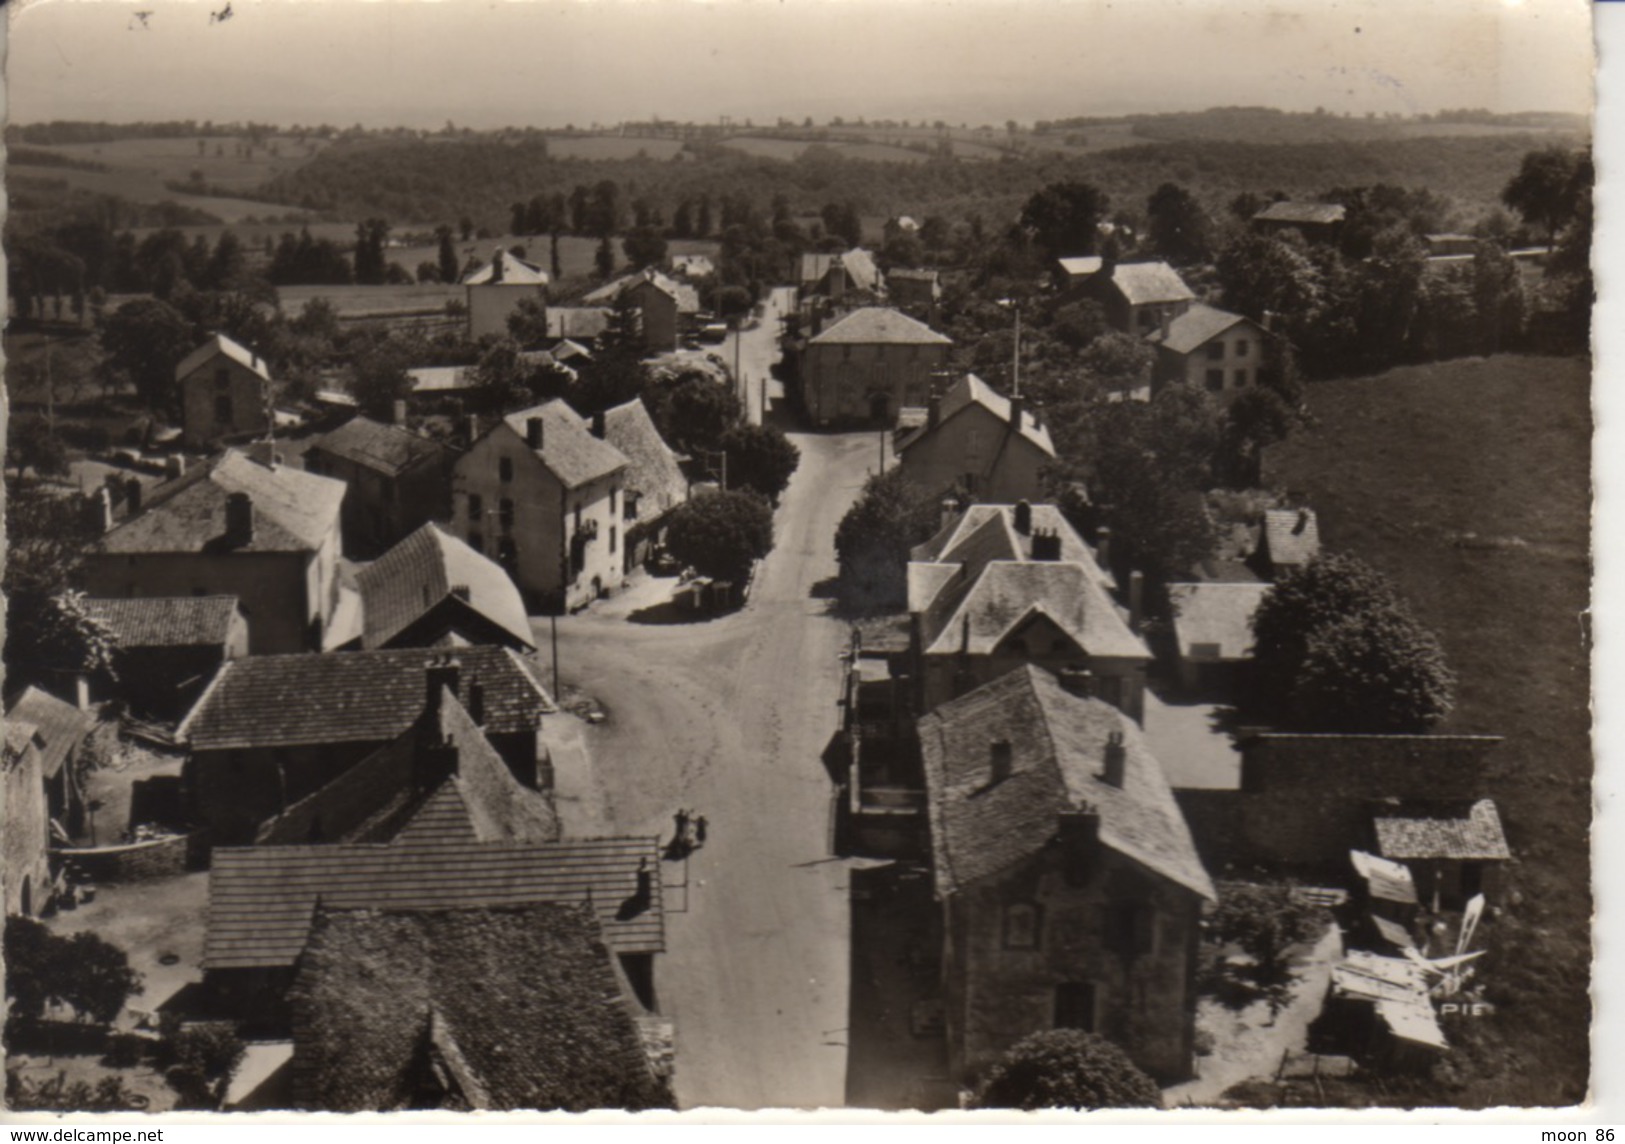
pixel 1321 214
pixel 468 1009
pixel 1465 831
pixel 977 615
pixel 686 297
pixel 515 272
pixel 879 325
pixel 262 899
pixel 952 544
pixel 1291 536
pixel 1057 743
pixel 1213 622
pixel 1082 266
pixel 422 570
pixel 387 449
pixel 655 474
pixel 59 726
pixel 969 391
pixel 583 323
pixel 858 263
pixel 166 621
pixel 1147 282
pixel 385 797
pixel 349 697
pixel 1194 328
pixel 569 450
pixel 220 344
pixel 294 511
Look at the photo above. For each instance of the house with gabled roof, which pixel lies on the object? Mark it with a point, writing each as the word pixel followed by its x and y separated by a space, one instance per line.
pixel 867 365
pixel 662 303
pixel 1000 592
pixel 979 444
pixel 541 493
pixel 838 273
pixel 1204 346
pixel 57 730
pixel 655 483
pixel 395 480
pixel 1454 849
pixel 251 759
pixel 495 290
pixel 1140 296
pixel 1070 889
pixel 167 648
pixel 433 590
pixel 225 391
pixel 25 821
pixel 1321 221
pixel 262 531
pixel 386 1016
pixel 1213 631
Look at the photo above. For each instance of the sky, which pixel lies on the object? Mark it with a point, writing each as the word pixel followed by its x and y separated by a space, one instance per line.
pixel 548 63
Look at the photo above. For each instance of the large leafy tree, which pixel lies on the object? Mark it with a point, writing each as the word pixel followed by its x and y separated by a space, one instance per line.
pixel 872 542
pixel 84 972
pixel 1266 920
pixel 144 340
pixel 446 259
pixel 1063 217
pixel 644 246
pixel 1179 227
pixel 694 412
pixel 1066 1068
pixel 1544 189
pixel 721 534
pixel 54 634
pixel 1262 274
pixel 1336 649
pixel 760 457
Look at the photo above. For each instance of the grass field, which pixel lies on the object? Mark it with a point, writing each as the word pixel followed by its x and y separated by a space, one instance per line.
pixel 1468 483
pixel 611 147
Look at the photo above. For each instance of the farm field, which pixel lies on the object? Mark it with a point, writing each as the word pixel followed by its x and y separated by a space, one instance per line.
pixel 612 146
pixel 1468 483
pixel 372 301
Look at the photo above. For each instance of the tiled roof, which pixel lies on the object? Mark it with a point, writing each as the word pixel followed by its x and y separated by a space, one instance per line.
pixel 581 322
pixel 1291 536
pixel 60 726
pixel 166 621
pixel 655 474
pixel 1146 282
pixel 421 571
pixel 387 797
pixel 1467 831
pixel 1008 594
pixel 262 898
pixel 1299 212
pixel 969 391
pixel 1213 622
pixel 515 272
pixel 467 1009
pixel 349 697
pixel 569 450
pixel 294 511
pixel 952 544
pixel 220 344
pixel 879 325
pixel 1194 328
pixel 1082 266
pixel 858 263
pixel 1057 747
pixel 387 449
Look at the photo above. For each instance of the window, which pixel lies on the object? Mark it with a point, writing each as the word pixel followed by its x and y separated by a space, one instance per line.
pixel 632 506
pixel 578 518
pixel 1215 380
pixel 1215 350
pixel 1023 922
pixel 476 540
pixel 612 493
pixel 1243 347
pixel 612 538
pixel 1075 1005
pixel 476 508
pixel 505 514
pixel 1130 927
pixel 1240 378
pixel 222 409
pixel 505 469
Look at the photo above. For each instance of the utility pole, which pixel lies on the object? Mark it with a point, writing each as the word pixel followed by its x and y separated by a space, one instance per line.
pixel 1015 364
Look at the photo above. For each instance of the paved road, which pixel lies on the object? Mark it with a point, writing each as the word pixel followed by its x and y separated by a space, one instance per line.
pixel 730 718
pixel 759 350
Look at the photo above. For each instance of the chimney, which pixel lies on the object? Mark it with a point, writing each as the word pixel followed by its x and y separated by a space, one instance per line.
pixel 1024 518
pixel 99 509
pixel 476 702
pixel 1047 545
pixel 950 511
pixel 132 495
pixel 397 411
pixel 533 432
pixel 1297 529
pixel 496 267
pixel 933 411
pixel 1116 758
pixel 964 633
pixel 435 762
pixel 439 673
pixel 1136 599
pixel 598 424
pixel 1103 547
pixel 1017 403
pixel 239 520
pixel 1079 681
pixel 1165 321
pixel 1000 758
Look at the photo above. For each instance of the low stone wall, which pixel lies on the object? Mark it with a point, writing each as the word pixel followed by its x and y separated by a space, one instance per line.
pixel 136 862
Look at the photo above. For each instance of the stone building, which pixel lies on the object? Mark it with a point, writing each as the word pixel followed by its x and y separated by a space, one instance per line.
pixel 865 367
pixel 225 393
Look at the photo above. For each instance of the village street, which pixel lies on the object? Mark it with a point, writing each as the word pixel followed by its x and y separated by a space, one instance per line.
pixel 758 351
pixel 729 718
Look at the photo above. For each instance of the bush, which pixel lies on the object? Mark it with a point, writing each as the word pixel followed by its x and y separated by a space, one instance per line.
pixel 212 1050
pixel 1067 1068
pixel 722 534
pixel 873 540
pixel 88 974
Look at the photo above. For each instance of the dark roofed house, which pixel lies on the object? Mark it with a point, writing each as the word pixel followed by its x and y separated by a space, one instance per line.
pixel 169 647
pixel 394 480
pixel 432 590
pixel 1454 849
pixel 979 443
pixel 250 760
pixel 833 275
pixel 1208 347
pixel 1140 296
pixel 662 304
pixel 655 483
pixel 1313 220
pixel 467 1010
pixel 256 529
pixel 1070 888
pixel 869 365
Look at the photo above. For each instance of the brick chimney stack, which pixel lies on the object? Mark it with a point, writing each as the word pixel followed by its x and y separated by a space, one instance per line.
pixel 1116 760
pixel 1024 518
pixel 533 432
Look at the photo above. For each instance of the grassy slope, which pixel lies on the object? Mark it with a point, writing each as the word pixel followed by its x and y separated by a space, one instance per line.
pixel 1468 482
